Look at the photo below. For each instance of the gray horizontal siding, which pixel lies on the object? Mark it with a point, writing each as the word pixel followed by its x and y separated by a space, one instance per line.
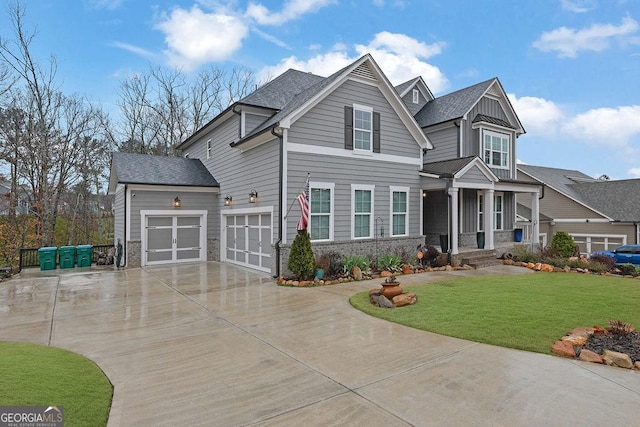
pixel 445 142
pixel 323 125
pixel 556 205
pixel 252 121
pixel 119 213
pixel 343 172
pixel 162 200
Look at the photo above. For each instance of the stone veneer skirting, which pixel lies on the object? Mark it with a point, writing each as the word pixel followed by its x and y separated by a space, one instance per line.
pixel 397 245
pixel 134 249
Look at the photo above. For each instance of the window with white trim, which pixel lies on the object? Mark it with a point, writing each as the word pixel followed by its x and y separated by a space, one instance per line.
pixel 498 213
pixel 399 211
pixel 321 211
pixel 362 128
pixel 362 211
pixel 416 96
pixel 208 148
pixel 495 148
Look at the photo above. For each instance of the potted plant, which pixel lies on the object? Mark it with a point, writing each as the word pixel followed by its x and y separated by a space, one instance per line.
pixel 322 266
pixel 391 288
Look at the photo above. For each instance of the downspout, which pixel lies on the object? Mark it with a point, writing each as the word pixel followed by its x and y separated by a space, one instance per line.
pixel 124 251
pixel 448 177
pixel 239 113
pixel 456 123
pixel 280 197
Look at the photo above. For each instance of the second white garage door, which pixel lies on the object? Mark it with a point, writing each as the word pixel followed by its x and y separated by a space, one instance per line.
pixel 248 239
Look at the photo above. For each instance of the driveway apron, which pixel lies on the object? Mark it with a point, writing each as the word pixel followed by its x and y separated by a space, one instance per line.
pixel 214 344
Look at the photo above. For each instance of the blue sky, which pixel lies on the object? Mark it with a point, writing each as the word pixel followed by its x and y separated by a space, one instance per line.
pixel 570 67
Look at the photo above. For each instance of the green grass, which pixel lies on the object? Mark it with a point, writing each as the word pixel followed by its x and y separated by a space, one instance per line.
pixel 527 312
pixel 33 375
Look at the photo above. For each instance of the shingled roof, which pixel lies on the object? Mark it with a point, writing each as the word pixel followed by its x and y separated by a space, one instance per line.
pixel 617 199
pixel 129 168
pixel 451 106
pixel 279 92
pixel 445 167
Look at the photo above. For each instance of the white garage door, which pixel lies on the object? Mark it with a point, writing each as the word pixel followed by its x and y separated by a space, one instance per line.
pixel 248 239
pixel 173 238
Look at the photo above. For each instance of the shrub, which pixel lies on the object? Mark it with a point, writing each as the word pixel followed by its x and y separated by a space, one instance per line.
pixel 390 262
pixel 627 269
pixel 564 244
pixel 603 260
pixel 598 267
pixel 523 254
pixel 351 261
pixel 558 262
pixel 301 259
pixel 618 327
pixel 323 261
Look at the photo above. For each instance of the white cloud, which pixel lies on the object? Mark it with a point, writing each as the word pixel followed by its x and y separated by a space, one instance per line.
pixel 400 57
pixel 634 172
pixel 271 38
pixel 568 42
pixel 134 49
pixel 194 37
pixel 291 10
pixel 579 6
pixel 607 126
pixel 538 116
pixel 106 4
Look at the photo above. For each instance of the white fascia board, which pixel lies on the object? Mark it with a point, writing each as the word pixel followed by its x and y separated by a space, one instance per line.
pixel 341 152
pixel 504 103
pixel 385 87
pixel 488 173
pixel 473 185
pixel 518 188
pixel 580 220
pixel 147 187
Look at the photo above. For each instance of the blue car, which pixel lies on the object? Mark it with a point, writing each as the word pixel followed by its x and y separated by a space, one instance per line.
pixel 625 254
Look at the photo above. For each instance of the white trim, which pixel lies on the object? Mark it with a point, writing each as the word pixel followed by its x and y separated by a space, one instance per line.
pixel 580 220
pixel 480 211
pixel 209 148
pixel 491 133
pixel 497 195
pixel 285 184
pixel 341 152
pixel 415 96
pixel 492 127
pixel 370 188
pixel 144 214
pixel 588 240
pixel 407 191
pixel 324 186
pixel 363 109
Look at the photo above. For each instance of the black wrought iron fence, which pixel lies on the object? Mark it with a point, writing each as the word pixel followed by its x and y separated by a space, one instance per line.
pixel 102 254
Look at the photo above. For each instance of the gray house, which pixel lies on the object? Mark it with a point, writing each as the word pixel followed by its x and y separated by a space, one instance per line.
pixel 388 167
pixel 599 214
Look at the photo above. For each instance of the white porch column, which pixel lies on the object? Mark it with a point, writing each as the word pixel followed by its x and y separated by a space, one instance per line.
pixel 454 220
pixel 535 219
pixel 489 216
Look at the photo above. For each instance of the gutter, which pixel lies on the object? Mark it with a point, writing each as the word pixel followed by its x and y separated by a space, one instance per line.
pixel 124 245
pixel 280 197
pixel 448 177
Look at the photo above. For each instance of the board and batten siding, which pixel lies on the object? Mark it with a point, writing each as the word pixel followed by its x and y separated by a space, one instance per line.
pixel 343 172
pixel 469 217
pixel 436 213
pixel 239 172
pixel 445 143
pixel 162 200
pixel 323 125
pixel 471 146
pixel 119 214
pixel 475 176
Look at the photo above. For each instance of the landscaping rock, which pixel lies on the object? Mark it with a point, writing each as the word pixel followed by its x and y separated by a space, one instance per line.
pixel 384 302
pixel 386 273
pixel 614 358
pixel 575 339
pixel 567 269
pixel 356 272
pixel 590 356
pixel 508 262
pixel 637 364
pixel 407 298
pixel 406 269
pixel 564 349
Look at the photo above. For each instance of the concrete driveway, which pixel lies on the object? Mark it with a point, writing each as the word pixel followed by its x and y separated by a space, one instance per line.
pixel 212 344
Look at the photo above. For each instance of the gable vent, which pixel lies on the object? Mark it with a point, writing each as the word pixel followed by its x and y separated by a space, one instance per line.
pixel 364 71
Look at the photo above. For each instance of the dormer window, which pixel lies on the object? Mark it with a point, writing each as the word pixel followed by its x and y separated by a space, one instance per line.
pixel 495 149
pixel 416 96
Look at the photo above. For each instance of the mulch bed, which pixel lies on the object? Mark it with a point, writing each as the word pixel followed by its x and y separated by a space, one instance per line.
pixel 629 344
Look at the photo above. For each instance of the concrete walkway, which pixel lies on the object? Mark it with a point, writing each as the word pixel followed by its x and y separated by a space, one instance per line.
pixel 212 344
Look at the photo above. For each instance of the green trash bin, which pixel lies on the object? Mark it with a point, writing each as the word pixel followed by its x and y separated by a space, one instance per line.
pixel 67 256
pixel 47 257
pixel 83 255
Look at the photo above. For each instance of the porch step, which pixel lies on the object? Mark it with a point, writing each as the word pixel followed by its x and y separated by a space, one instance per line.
pixel 480 258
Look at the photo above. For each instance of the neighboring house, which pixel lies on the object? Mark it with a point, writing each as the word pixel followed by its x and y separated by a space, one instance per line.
pixel 388 168
pixel 23 200
pixel 599 214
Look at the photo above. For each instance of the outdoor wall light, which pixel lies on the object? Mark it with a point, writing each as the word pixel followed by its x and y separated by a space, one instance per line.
pixel 227 200
pixel 177 202
pixel 424 194
pixel 253 196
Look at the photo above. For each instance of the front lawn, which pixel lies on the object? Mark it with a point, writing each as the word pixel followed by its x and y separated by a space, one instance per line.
pixel 34 375
pixel 527 312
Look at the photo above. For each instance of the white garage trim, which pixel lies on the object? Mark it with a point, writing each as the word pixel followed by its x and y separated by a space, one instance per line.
pixel 263 254
pixel 201 248
pixel 600 241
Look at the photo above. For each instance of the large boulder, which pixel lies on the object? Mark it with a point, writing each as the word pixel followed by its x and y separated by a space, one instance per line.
pixel 614 358
pixel 406 298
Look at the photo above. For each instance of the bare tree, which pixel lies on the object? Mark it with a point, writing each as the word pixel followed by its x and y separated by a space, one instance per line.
pixel 163 107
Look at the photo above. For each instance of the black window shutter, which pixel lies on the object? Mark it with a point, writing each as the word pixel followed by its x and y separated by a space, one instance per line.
pixel 376 132
pixel 348 128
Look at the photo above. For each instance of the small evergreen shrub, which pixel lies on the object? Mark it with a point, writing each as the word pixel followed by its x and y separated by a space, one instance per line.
pixel 301 260
pixel 564 244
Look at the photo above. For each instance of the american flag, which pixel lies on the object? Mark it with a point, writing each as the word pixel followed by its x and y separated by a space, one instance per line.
pixel 303 201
